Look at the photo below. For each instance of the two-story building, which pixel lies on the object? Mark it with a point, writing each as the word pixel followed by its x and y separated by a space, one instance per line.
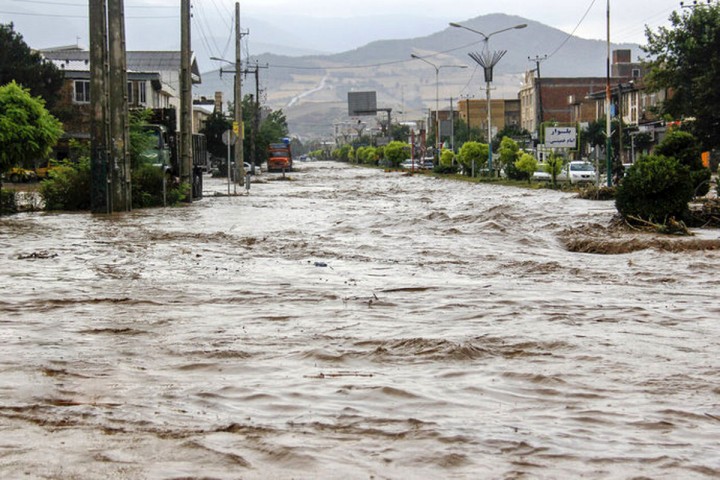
pixel 503 113
pixel 153 82
pixel 569 99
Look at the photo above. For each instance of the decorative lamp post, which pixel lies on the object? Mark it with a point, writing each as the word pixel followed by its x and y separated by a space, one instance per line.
pixel 488 60
pixel 437 97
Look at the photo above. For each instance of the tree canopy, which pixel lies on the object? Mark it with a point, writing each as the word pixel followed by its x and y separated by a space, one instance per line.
pixel 685 60
pixel 273 128
pixel 215 125
pixel 527 164
pixel 396 152
pixel 26 67
pixel 473 156
pixel 27 130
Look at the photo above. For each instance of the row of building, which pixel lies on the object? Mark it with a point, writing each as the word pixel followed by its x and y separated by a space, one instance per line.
pixel 568 101
pixel 153 82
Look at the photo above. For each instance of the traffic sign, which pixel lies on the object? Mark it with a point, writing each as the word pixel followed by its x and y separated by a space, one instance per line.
pixel 229 137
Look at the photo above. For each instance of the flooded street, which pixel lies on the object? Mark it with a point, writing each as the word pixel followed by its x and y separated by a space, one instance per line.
pixel 353 324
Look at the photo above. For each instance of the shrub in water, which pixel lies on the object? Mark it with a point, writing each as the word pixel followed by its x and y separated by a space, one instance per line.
pixel 67 186
pixel 655 188
pixel 147 183
pixel 7 202
pixel 446 169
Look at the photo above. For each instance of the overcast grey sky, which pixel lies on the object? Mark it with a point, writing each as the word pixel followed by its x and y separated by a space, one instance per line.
pixel 627 18
pixel 55 22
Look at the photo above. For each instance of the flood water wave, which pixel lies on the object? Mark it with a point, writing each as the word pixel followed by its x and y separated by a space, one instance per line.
pixel 357 323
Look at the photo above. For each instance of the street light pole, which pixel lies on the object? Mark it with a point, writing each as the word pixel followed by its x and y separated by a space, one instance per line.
pixel 437 98
pixel 488 62
pixel 608 132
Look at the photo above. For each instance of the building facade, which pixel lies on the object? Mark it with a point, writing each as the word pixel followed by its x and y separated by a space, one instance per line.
pixel 571 99
pixel 503 113
pixel 153 82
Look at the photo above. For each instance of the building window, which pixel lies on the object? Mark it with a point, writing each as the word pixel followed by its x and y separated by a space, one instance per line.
pixel 636 73
pixel 129 93
pixel 142 93
pixel 82 91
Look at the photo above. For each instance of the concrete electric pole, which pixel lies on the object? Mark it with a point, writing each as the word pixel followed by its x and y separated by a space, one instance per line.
pixel 110 174
pixel 100 183
pixel 239 153
pixel 186 165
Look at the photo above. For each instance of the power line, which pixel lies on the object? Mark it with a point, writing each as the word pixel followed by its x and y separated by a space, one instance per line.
pixel 144 17
pixel 570 35
pixel 84 5
pixel 376 65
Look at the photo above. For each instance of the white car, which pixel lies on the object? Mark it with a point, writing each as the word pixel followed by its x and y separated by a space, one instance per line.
pixel 540 175
pixel 410 165
pixel 577 172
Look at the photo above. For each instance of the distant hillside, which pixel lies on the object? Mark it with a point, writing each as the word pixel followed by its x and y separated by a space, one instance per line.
pixel 312 90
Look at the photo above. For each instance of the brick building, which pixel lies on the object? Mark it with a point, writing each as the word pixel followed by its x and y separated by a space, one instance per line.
pixel 566 100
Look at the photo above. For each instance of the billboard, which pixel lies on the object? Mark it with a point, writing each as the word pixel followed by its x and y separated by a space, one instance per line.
pixel 362 103
pixel 560 137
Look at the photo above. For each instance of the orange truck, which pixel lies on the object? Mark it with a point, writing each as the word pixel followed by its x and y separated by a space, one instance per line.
pixel 279 158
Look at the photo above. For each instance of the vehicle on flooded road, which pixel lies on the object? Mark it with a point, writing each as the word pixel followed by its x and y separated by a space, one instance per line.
pixel 578 172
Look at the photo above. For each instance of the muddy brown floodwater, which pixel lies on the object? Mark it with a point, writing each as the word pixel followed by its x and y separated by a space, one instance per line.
pixel 353 324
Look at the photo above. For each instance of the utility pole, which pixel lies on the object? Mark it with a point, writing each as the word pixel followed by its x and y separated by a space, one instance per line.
pixel 239 153
pixel 608 132
pixel 118 108
pixel 256 117
pixel 186 174
pixel 537 61
pixel 452 126
pixel 100 183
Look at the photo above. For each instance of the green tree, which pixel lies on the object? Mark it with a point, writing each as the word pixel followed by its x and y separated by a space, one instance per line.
pixel 27 130
pixel 27 68
pixel 272 130
pixel 527 164
pixel 509 152
pixel 683 146
pixel 473 156
pixel 68 186
pixel 215 125
pixel 447 157
pixel 520 135
pixel 685 60
pixel 464 134
pixel 447 163
pixel 370 156
pixel 399 132
pixel 595 135
pixel 396 152
pixel 140 139
pixel 553 166
pixel 360 154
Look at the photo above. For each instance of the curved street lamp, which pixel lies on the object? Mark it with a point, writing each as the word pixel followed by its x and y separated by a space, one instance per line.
pixel 437 106
pixel 488 61
pixel 487 37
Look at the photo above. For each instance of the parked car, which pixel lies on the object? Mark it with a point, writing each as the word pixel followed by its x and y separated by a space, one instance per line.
pixel 427 163
pixel 17 174
pixel 409 164
pixel 577 172
pixel 540 175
